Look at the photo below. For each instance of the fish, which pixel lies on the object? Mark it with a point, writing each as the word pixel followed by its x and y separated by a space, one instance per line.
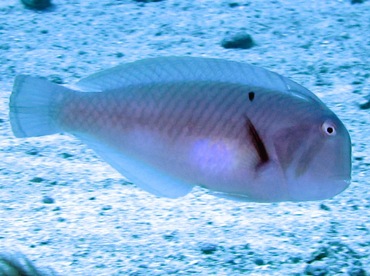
pixel 169 124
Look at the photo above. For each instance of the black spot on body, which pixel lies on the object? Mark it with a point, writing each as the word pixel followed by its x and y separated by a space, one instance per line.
pixel 251 96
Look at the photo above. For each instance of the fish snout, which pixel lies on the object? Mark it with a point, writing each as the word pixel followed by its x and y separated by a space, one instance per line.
pixel 328 172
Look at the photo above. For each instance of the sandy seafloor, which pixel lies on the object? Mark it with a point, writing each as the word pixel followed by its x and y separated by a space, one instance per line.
pixel 101 225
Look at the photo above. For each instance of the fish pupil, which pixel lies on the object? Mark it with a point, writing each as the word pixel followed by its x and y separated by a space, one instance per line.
pixel 328 128
pixel 251 96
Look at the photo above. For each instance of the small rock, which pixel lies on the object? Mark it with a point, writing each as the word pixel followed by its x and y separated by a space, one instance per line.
pixel 119 54
pixel 238 41
pixel 173 271
pixel 4 47
pixel 259 261
pixel 48 200
pixel 170 236
pixel 106 207
pixel 318 255
pixel 365 105
pixel 295 259
pixel 60 219
pixel 356 271
pixel 208 248
pixel 66 155
pixel 56 79
pixel 37 4
pixel 37 179
pixel 359 158
pixel 32 152
pixel 357 82
pixel 324 207
pixel 316 270
pixel 231 260
pixel 234 4
pixel 45 242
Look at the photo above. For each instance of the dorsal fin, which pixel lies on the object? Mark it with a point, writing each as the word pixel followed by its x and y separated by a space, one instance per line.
pixel 185 69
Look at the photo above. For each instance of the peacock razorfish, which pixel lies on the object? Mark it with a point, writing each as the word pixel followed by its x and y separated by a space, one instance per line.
pixel 171 123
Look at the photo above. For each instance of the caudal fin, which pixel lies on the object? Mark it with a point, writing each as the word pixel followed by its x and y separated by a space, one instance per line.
pixel 33 104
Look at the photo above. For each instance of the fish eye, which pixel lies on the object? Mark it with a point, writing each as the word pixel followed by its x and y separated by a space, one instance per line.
pixel 329 128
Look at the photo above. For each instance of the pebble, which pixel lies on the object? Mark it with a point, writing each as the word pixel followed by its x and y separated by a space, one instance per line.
pixel 357 271
pixel 119 55
pixel 45 242
pixel 208 248
pixel 66 155
pixel 4 47
pixel 32 151
pixel 37 179
pixel 56 79
pixel 238 41
pixel 106 207
pixel 173 271
pixel 316 270
pixel 37 4
pixel 295 259
pixel 234 5
pixel 365 105
pixel 48 200
pixel 259 261
pixel 324 207
pixel 170 236
pixel 318 255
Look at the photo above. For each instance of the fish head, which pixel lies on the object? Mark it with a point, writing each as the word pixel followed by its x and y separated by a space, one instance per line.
pixel 314 155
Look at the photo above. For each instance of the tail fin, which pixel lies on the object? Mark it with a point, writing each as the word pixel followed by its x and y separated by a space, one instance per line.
pixel 33 104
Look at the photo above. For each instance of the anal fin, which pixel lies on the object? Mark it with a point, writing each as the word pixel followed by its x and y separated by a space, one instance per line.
pixel 141 174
